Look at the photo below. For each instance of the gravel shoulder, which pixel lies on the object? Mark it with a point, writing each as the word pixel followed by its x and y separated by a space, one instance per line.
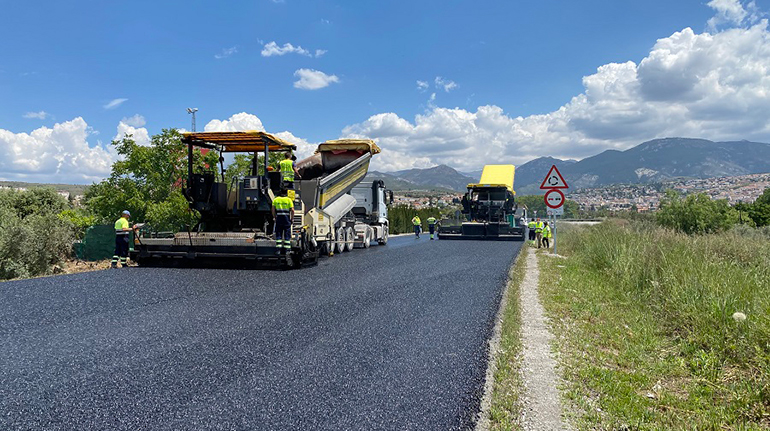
pixel 542 405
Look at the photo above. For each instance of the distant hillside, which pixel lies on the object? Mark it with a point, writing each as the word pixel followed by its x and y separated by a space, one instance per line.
pixel 73 189
pixel 440 178
pixel 654 161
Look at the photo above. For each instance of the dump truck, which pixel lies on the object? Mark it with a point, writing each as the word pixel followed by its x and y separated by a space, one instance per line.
pixel 236 223
pixel 489 209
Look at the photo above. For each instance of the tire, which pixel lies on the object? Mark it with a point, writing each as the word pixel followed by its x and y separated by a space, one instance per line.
pixel 339 240
pixel 368 238
pixel 350 237
pixel 384 239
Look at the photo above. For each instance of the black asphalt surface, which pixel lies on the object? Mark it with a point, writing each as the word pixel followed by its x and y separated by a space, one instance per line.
pixel 392 337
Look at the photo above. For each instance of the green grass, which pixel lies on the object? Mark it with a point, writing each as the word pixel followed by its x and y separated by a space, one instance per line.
pixel 643 319
pixel 505 410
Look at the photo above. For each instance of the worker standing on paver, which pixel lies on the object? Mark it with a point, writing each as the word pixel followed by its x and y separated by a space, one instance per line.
pixel 431 226
pixel 539 232
pixel 122 235
pixel 283 214
pixel 531 230
pixel 288 171
pixel 547 235
pixel 417 225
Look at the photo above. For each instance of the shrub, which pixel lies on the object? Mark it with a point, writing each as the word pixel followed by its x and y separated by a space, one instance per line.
pixel 696 213
pixel 33 237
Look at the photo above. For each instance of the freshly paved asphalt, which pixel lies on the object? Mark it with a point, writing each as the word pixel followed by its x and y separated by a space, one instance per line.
pixel 392 337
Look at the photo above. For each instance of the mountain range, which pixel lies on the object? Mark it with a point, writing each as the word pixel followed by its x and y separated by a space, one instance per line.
pixel 652 161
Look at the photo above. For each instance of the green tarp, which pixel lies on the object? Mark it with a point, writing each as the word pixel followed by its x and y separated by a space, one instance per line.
pixel 99 243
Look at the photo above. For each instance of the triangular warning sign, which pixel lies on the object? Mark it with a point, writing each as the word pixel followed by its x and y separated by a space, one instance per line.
pixel 554 180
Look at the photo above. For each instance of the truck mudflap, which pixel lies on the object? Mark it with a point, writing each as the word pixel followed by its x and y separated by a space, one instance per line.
pixel 482 231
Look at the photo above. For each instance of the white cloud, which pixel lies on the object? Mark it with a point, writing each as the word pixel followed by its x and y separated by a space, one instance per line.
pixel 320 52
pixel 310 79
pixel 445 84
pixel 55 155
pixel 304 148
pixel 422 85
pixel 114 103
pixel 138 134
pixel 226 52
pixel 732 12
pixel 135 120
pixel 42 115
pixel 236 123
pixel 271 48
pixel 245 121
pixel 714 86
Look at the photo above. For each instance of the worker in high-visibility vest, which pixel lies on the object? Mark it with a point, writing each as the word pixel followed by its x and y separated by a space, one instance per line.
pixel 122 235
pixel 283 214
pixel 431 226
pixel 417 223
pixel 547 235
pixel 288 171
pixel 531 230
pixel 538 232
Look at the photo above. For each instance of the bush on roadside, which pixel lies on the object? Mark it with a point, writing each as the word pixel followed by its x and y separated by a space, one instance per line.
pixel 696 213
pixel 33 237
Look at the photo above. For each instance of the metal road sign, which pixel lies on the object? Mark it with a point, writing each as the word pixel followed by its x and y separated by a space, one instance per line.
pixel 555 211
pixel 554 180
pixel 554 198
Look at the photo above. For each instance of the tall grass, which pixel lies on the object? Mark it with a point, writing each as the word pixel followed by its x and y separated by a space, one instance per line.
pixel 658 306
pixel 400 218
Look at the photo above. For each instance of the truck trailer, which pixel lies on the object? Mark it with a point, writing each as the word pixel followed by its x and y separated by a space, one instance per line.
pixel 490 210
pixel 236 222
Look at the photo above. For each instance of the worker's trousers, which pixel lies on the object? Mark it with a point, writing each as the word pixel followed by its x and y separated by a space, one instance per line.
pixel 417 229
pixel 432 230
pixel 532 235
pixel 121 250
pixel 283 237
pixel 546 243
pixel 539 238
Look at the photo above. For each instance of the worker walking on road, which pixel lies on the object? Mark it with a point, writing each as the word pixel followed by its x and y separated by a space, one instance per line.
pixel 417 225
pixel 547 235
pixel 539 232
pixel 431 226
pixel 283 214
pixel 288 171
pixel 531 230
pixel 122 235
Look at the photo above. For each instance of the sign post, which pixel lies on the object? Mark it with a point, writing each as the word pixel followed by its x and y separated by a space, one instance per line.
pixel 554 198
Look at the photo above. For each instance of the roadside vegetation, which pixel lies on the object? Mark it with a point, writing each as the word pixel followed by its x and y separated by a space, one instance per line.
pixel 506 409
pixel 36 232
pixel 400 217
pixel 661 329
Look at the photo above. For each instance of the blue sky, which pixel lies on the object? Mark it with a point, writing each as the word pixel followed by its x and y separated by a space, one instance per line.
pixel 414 74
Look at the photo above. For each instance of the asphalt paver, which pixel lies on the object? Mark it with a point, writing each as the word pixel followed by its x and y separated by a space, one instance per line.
pixel 391 337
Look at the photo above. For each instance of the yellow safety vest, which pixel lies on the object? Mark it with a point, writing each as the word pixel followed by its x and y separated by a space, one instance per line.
pixel 287 169
pixel 416 221
pixel 531 225
pixel 121 224
pixel 547 232
pixel 431 220
pixel 283 206
pixel 538 227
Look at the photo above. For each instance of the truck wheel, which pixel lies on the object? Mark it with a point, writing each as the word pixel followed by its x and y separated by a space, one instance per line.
pixel 384 239
pixel 339 241
pixel 367 238
pixel 350 238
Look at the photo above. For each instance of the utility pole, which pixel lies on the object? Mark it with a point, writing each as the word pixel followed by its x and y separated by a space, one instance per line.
pixel 192 111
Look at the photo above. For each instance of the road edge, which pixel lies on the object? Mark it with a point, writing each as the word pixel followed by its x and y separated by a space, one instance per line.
pixel 483 420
